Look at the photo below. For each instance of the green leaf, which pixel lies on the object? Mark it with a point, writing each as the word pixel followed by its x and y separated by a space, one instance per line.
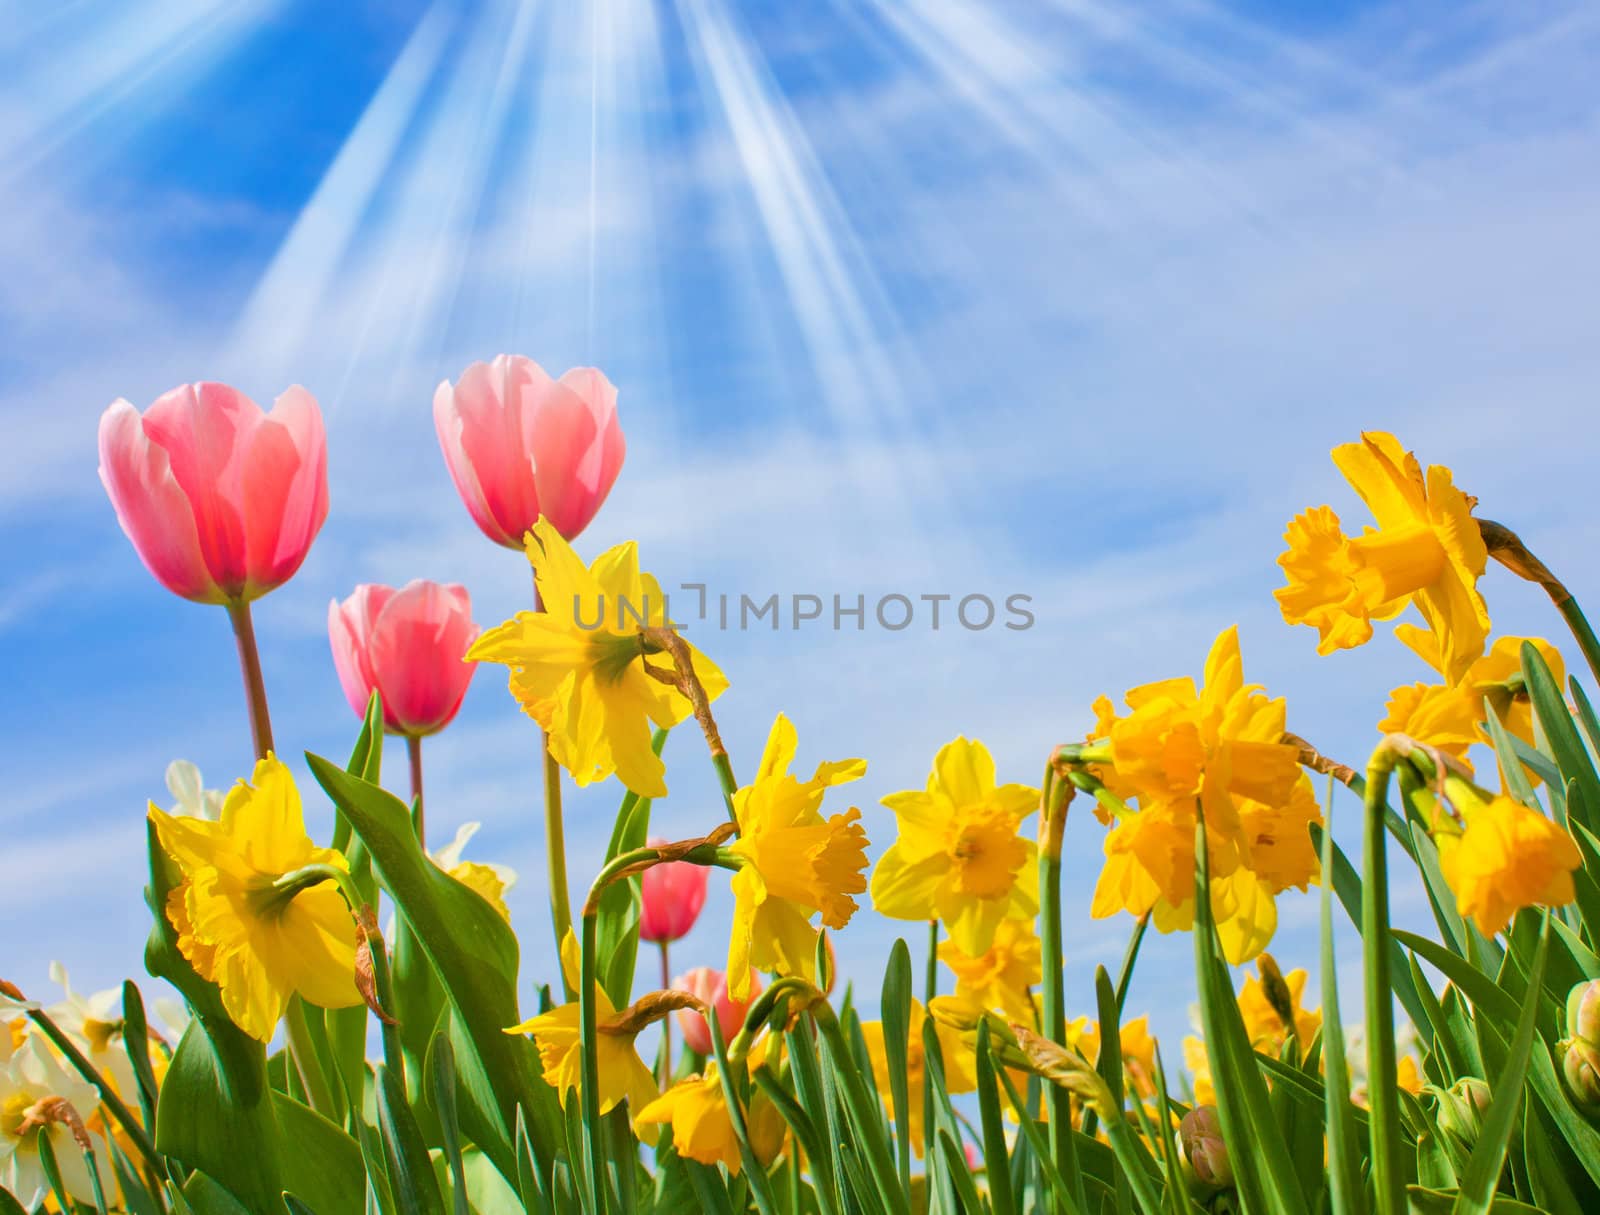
pixel 411 1177
pixel 1562 736
pixel 471 948
pixel 441 1065
pixel 206 1197
pixel 1267 1179
pixel 1344 1155
pixel 9 1204
pixel 895 1011
pixel 994 1131
pixel 1483 1168
pixel 1474 984
pixel 320 1162
pixel 136 1041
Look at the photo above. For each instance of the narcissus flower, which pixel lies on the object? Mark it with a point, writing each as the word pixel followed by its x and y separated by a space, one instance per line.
pixel 38 1096
pixel 557 1037
pixel 1001 977
pixel 1426 550
pixel 793 863
pixel 702 1128
pixel 96 1024
pixel 578 667
pixel 960 1064
pixel 960 857
pixel 1218 747
pixel 1447 716
pixel 1264 1021
pixel 1505 858
pixel 490 881
pixel 258 942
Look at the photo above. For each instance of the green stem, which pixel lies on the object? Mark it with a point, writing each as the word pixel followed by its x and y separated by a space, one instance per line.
pixel 931 983
pixel 1389 1182
pixel 555 836
pixel 1579 624
pixel 589 1041
pixel 555 851
pixel 719 761
pixel 666 1023
pixel 1053 811
pixel 393 1050
pixel 305 1058
pixel 108 1095
pixel 255 690
pixel 414 754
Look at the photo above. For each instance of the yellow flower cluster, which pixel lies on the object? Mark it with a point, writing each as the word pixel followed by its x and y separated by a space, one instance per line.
pixel 1217 749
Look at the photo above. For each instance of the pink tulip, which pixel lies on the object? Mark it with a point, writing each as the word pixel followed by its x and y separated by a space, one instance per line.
pixel 520 444
pixel 711 986
pixel 671 897
pixel 406 645
pixel 221 500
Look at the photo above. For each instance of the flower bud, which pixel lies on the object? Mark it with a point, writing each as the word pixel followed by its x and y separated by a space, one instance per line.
pixel 1200 1132
pixel 1463 1107
pixel 1583 1012
pixel 1580 1065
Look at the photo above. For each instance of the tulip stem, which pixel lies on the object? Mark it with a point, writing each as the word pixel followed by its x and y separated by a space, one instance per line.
pixel 666 1023
pixel 414 754
pixel 255 690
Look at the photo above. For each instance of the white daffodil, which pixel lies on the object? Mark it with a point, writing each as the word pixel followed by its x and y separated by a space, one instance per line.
pixel 38 1096
pixel 189 791
pixel 96 1024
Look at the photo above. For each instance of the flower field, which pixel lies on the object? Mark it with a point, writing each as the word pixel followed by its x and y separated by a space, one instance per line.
pixel 353 1030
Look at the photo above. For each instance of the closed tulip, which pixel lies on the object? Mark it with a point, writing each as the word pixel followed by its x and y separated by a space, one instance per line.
pixel 407 645
pixel 520 445
pixel 220 499
pixel 671 897
pixel 711 986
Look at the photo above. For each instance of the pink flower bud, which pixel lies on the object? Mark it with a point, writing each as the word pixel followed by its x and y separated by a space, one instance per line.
pixel 711 986
pixel 1583 1011
pixel 221 500
pixel 407 646
pixel 1201 1134
pixel 671 897
pixel 520 445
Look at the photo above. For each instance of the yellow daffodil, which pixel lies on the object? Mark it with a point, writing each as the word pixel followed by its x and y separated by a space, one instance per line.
pixel 792 863
pixel 557 1036
pixel 959 856
pixel 1505 858
pixel 1447 716
pixel 95 1024
pixel 1218 747
pixel 1426 550
pixel 1264 1023
pixel 491 882
pixel 38 1096
pixel 1001 977
pixel 260 944
pixel 702 1128
pixel 960 1064
pixel 578 667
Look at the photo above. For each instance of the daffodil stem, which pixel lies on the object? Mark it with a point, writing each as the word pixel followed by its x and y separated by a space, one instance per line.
pixel 304 1055
pixel 255 689
pixel 1579 624
pixel 931 982
pixel 555 848
pixel 1387 1176
pixel 414 754
pixel 108 1095
pixel 1057 794
pixel 589 1030
pixel 725 778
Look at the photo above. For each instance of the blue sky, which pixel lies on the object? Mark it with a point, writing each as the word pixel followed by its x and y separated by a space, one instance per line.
pixel 1068 300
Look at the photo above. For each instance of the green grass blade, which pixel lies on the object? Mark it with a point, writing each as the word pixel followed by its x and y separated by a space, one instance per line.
pixel 996 1162
pixel 1344 1156
pixel 895 1011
